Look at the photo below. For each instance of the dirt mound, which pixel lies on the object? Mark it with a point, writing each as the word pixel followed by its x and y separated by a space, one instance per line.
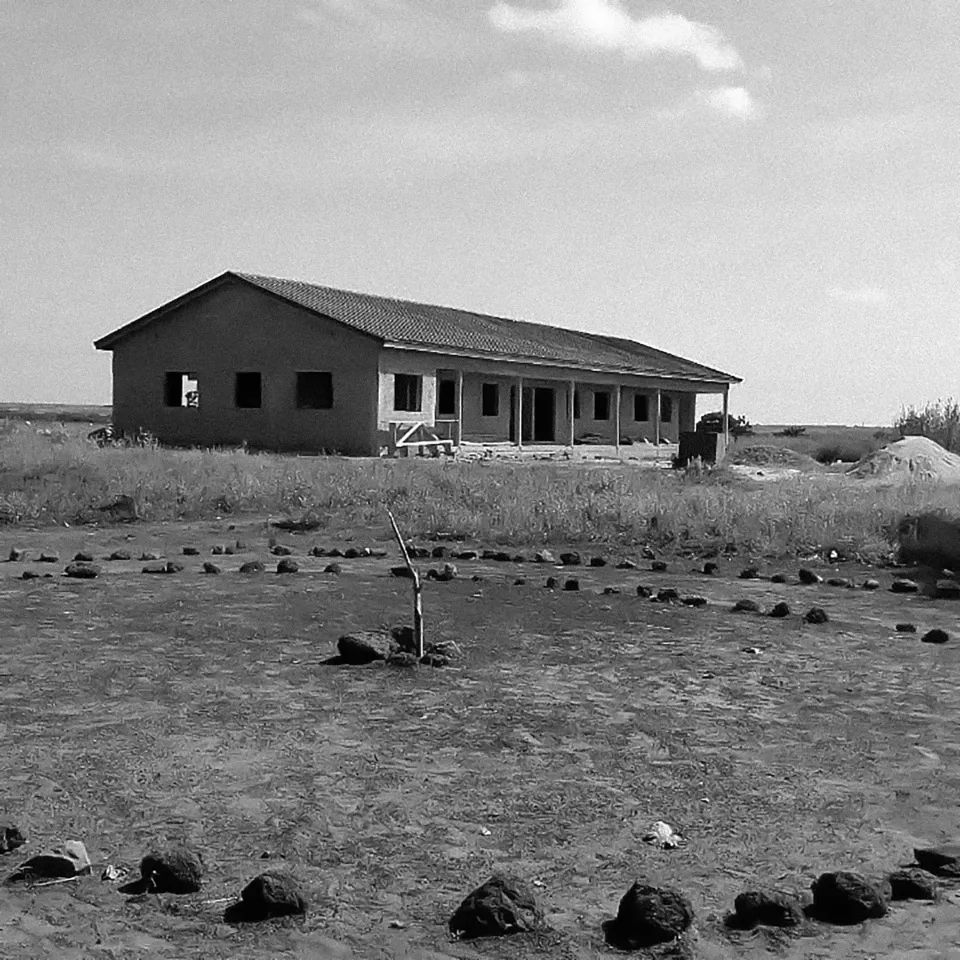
pixel 912 458
pixel 765 455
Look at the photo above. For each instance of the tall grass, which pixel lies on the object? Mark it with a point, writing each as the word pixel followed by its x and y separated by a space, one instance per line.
pixel 56 479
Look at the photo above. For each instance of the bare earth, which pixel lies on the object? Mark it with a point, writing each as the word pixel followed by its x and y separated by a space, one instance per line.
pixel 142 708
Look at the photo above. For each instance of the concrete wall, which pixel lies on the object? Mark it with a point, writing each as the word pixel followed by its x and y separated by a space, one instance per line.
pixel 237 328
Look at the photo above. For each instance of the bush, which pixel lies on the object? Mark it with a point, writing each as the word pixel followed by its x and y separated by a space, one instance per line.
pixel 794 431
pixel 938 421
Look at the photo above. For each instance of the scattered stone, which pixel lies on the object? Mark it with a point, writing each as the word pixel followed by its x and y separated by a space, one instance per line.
pixel 120 555
pixel 668 595
pixel 178 870
pixel 644 591
pixel 648 916
pixel 466 555
pixel 271 894
pixel 780 610
pixel 906 628
pixel 913 885
pixel 709 568
pixel 69 859
pixel 442 653
pixel 148 557
pixel 123 509
pixel 778 578
pixel 10 838
pixel 498 556
pixel 83 571
pixel 808 577
pixel 334 568
pixel 768 908
pixel 159 567
pixel 935 636
pixel 816 615
pixel 439 553
pixel 403 572
pixel 240 545
pixel 626 565
pixel 418 553
pixel 948 589
pixel 750 573
pixel 209 567
pixel 551 583
pixel 286 565
pixel 662 835
pixel 252 566
pixel 29 575
pixel 658 566
pixel 598 561
pixel 848 898
pixel 317 552
pixel 871 584
pixel 191 552
pixel 519 558
pixel 746 606
pixel 366 646
pixel 694 600
pixel 16 555
pixel 544 556
pixel 48 558
pixel 903 585
pixel 334 552
pixel 520 581
pixel 281 550
pixel 610 591
pixel 229 551
pixel 173 567
pixel 218 551
pixel 571 583
pixel 351 553
pixel 501 906
pixel 572 559
pixel 404 659
pixel 942 860
pixel 839 582
pixel 83 557
pixel 447 573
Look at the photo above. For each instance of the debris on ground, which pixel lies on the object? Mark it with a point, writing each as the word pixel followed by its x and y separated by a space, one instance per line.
pixel 662 835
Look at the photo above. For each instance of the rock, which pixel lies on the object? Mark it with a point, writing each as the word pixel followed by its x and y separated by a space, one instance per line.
pixel 158 567
pixel 334 552
pixel 648 916
pixel 780 610
pixel 610 591
pixel 778 578
pixel 16 555
pixel 903 585
pixel 210 568
pixel 501 906
pixel 750 573
pixel 498 556
pixel 644 591
pixel 544 556
pixel 466 555
pixel 572 559
pixel 709 568
pixel 403 572
pixel 218 551
pixel 240 545
pixel 626 565
pixel 694 600
pixel 598 561
pixel 351 553
pixel 439 553
pixel 768 908
pixel 808 577
pixel 942 860
pixel 658 566
pixel 123 509
pixel 519 558
pixel 667 595
pixel 149 557
pixel 839 582
pixel 572 583
pixel 48 558
pixel 29 575
pixel 191 552
pixel 83 557
pixel 906 628
pixel 335 569
pixel 366 646
pixel 871 584
pixel 252 566
pixel 403 658
pixel 948 589
pixel 913 885
pixel 121 555
pixel 447 573
pixel 551 583
pixel 847 898
pixel 520 581
pixel 10 838
pixel 69 859
pixel 746 606
pixel 177 870
pixel 935 636
pixel 816 615
pixel 271 894
pixel 281 550
pixel 173 567
pixel 229 551
pixel 317 552
pixel 647 553
pixel 83 571
pixel 446 648
pixel 286 565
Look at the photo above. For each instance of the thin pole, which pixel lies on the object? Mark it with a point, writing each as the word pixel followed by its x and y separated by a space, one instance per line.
pixel 459 407
pixel 570 403
pixel 519 413
pixel 616 419
pixel 417 590
pixel 726 416
pixel 657 420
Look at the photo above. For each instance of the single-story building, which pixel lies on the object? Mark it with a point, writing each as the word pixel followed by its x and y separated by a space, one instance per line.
pixel 285 365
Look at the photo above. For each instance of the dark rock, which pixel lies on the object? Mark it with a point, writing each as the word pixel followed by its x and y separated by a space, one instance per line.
pixel 336 569
pixel 935 636
pixel 648 916
pixel 520 581
pixel 572 559
pixel 191 552
pixel 498 556
pixel 750 573
pixel 210 567
pixel 902 585
pixel 118 555
pixel 709 568
pixel 252 566
pixel 948 589
pixel 158 567
pixel 626 565
pixel 10 838
pixel 16 555
pixel 808 577
pixel 780 610
pixel 68 859
pixel 768 908
pixel 418 553
pixel 351 553
pixel 501 906
pixel 123 509
pixel 610 591
pixel 448 650
pixel 83 571
pixel 218 551
pixel 177 870
pixel 48 558
pixel 149 557
pixel 913 885
pixel 334 552
pixel 286 565
pixel 544 556
pixel 871 584
pixel 847 898
pixel 519 558
pixel 439 553
pixel 816 615
pixel 942 860
pixel 447 573
pixel 694 600
pixel 83 557
pixel 746 606
pixel 403 572
pixel 778 578
pixel 571 583
pixel 658 566
pixel 598 561
pixel 281 550
pixel 551 583
pixel 668 595
pixel 403 659
pixel 228 550
pixel 317 552
pixel 403 637
pixel 366 646
pixel 906 628
pixel 839 582
pixel 465 555
pixel 29 575
pixel 644 591
pixel 271 894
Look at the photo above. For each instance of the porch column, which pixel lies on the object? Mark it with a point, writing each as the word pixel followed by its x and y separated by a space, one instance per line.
pixel 459 407
pixel 726 414
pixel 656 414
pixel 519 413
pixel 616 418
pixel 570 410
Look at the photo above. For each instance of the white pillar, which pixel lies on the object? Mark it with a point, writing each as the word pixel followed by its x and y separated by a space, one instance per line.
pixel 656 416
pixel 519 413
pixel 570 406
pixel 616 418
pixel 726 414
pixel 459 407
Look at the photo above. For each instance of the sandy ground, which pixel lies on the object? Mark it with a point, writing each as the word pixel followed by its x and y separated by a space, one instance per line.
pixel 141 708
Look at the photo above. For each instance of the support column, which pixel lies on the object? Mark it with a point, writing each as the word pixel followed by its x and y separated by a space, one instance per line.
pixel 726 415
pixel 459 407
pixel 656 414
pixel 570 410
pixel 616 417
pixel 519 413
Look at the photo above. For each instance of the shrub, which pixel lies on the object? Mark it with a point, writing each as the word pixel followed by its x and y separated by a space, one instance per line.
pixel 940 421
pixel 794 431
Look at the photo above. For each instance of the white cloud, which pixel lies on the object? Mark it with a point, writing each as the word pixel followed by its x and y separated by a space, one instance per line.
pixel 606 25
pixel 871 296
pixel 731 101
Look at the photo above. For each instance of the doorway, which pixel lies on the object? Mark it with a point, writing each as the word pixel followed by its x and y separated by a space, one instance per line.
pixel 544 415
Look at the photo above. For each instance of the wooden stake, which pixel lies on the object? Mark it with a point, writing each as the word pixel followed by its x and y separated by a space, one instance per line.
pixel 417 590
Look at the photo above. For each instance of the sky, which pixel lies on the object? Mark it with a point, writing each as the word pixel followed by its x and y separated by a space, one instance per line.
pixel 769 187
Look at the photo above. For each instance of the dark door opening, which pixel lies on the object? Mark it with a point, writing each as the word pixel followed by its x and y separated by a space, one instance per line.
pixel 544 415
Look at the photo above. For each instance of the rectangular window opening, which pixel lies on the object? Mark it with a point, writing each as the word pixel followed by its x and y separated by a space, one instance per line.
pixel 641 407
pixel 490 400
pixel 447 398
pixel 314 390
pixel 181 390
pixel 601 405
pixel 407 388
pixel 666 409
pixel 248 391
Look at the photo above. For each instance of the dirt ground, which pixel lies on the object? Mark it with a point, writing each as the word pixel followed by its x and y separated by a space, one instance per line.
pixel 139 709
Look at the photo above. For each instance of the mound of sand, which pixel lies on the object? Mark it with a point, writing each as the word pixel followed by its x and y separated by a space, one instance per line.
pixel 912 458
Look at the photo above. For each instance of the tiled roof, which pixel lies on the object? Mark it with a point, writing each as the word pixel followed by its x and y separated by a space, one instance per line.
pixel 406 323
